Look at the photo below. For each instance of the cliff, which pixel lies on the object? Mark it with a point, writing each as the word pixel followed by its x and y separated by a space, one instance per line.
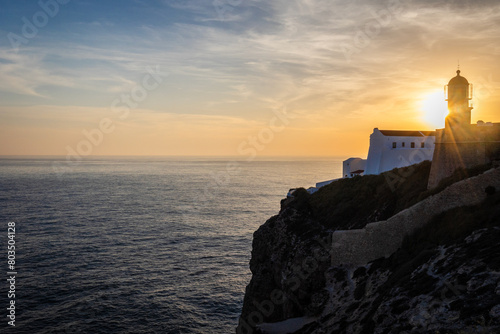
pixel 322 264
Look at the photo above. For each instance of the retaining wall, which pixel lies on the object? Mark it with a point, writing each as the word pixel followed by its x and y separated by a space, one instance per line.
pixel 381 239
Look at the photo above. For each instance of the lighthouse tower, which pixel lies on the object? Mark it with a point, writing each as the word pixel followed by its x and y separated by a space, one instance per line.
pixel 458 94
pixel 461 145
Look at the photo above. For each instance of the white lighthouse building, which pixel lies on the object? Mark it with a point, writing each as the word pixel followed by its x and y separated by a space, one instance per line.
pixel 391 149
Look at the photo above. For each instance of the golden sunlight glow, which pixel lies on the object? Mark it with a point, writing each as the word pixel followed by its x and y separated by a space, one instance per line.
pixel 434 108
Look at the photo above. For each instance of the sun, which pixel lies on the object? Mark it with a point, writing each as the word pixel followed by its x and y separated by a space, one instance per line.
pixel 434 109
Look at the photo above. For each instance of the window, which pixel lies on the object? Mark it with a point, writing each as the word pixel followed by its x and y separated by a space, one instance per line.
pixel 422 145
pixel 412 145
pixel 394 145
pixel 402 144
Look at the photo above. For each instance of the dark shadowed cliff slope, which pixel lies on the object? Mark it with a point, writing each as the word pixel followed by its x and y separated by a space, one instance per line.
pixel 445 278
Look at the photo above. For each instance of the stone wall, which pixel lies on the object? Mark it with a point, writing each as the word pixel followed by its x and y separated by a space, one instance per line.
pixel 450 156
pixel 464 147
pixel 381 239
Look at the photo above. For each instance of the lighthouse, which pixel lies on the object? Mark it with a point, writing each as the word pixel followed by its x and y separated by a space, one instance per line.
pixel 462 145
pixel 458 93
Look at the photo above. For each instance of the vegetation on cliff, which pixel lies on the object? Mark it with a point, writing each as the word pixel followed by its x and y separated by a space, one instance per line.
pixel 352 203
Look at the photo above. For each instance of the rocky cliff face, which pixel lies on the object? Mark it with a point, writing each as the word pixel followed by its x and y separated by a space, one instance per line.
pixel 289 259
pixel 445 278
pixel 446 289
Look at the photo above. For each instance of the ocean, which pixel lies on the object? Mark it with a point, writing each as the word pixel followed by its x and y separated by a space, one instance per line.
pixel 138 245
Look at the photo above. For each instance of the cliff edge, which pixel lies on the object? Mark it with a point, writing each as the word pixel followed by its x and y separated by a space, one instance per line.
pixel 380 254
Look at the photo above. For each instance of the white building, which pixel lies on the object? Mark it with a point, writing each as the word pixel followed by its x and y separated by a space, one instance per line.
pixel 353 167
pixel 391 149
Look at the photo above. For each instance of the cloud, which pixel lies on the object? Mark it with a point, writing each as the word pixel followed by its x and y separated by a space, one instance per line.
pixel 267 53
pixel 24 73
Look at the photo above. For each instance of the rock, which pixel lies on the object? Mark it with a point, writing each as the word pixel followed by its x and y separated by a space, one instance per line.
pixel 444 279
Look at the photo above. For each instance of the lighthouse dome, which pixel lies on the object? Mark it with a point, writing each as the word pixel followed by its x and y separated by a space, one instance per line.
pixel 458 80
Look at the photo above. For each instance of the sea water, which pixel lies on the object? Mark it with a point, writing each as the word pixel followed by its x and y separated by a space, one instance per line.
pixel 138 245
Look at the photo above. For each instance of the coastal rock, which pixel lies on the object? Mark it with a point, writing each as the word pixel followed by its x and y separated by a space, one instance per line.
pixel 447 289
pixel 444 279
pixel 287 281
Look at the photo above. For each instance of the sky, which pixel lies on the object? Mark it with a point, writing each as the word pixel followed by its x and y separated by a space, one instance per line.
pixel 243 78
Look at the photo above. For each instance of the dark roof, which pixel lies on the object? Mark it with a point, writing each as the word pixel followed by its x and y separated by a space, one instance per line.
pixel 403 133
pixel 429 133
pixel 458 80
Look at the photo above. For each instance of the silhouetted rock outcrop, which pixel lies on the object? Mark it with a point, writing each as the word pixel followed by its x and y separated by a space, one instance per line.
pixel 444 278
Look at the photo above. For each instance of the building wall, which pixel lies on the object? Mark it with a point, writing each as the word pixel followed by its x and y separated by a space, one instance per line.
pixel 352 165
pixel 449 155
pixel 398 158
pixel 383 156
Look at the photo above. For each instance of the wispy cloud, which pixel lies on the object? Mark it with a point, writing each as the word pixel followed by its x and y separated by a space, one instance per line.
pixel 24 73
